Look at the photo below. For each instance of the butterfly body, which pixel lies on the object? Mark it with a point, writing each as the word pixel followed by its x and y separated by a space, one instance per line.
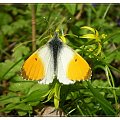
pixel 56 59
pixel 55 46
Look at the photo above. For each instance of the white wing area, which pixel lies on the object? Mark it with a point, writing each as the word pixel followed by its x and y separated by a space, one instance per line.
pixel 46 56
pixel 64 57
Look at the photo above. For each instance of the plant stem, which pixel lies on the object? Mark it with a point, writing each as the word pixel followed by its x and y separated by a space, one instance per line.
pixel 33 28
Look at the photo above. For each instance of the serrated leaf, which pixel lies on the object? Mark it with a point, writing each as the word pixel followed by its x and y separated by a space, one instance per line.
pixel 5 18
pixel 7 29
pixel 19 51
pixel 9 68
pixel 20 23
pixel 4 66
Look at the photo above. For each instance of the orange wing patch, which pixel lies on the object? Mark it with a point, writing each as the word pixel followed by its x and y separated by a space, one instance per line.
pixel 78 69
pixel 33 68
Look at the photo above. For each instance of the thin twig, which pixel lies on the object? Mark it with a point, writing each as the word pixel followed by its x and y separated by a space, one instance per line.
pixel 77 17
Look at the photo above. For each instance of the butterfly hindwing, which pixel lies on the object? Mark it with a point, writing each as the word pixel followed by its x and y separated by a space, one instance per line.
pixel 74 68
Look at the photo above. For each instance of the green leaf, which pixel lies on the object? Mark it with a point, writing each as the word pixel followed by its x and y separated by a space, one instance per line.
pixel 116 37
pixel 107 108
pixel 20 23
pixel 22 113
pixel 37 86
pixel 15 26
pixel 23 106
pixel 34 96
pixel 5 66
pixel 21 86
pixel 8 108
pixel 98 83
pixel 5 18
pixel 34 103
pixel 9 99
pixel 50 94
pixel 71 8
pixel 7 29
pixel 37 95
pixel 114 55
pixel 9 68
pixel 19 51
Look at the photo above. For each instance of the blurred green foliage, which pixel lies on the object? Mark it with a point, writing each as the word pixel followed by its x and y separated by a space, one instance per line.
pixel 98 97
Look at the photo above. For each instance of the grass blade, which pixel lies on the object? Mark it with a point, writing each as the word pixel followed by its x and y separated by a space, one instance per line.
pixel 106 106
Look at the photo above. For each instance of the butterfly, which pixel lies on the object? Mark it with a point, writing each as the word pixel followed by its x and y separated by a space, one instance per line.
pixel 55 58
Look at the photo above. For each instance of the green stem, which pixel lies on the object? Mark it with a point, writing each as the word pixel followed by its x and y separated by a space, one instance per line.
pixel 33 28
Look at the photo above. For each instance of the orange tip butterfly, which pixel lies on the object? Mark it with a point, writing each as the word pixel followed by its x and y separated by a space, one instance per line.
pixel 56 59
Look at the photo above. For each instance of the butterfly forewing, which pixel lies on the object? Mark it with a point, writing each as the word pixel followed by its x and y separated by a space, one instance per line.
pixel 39 66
